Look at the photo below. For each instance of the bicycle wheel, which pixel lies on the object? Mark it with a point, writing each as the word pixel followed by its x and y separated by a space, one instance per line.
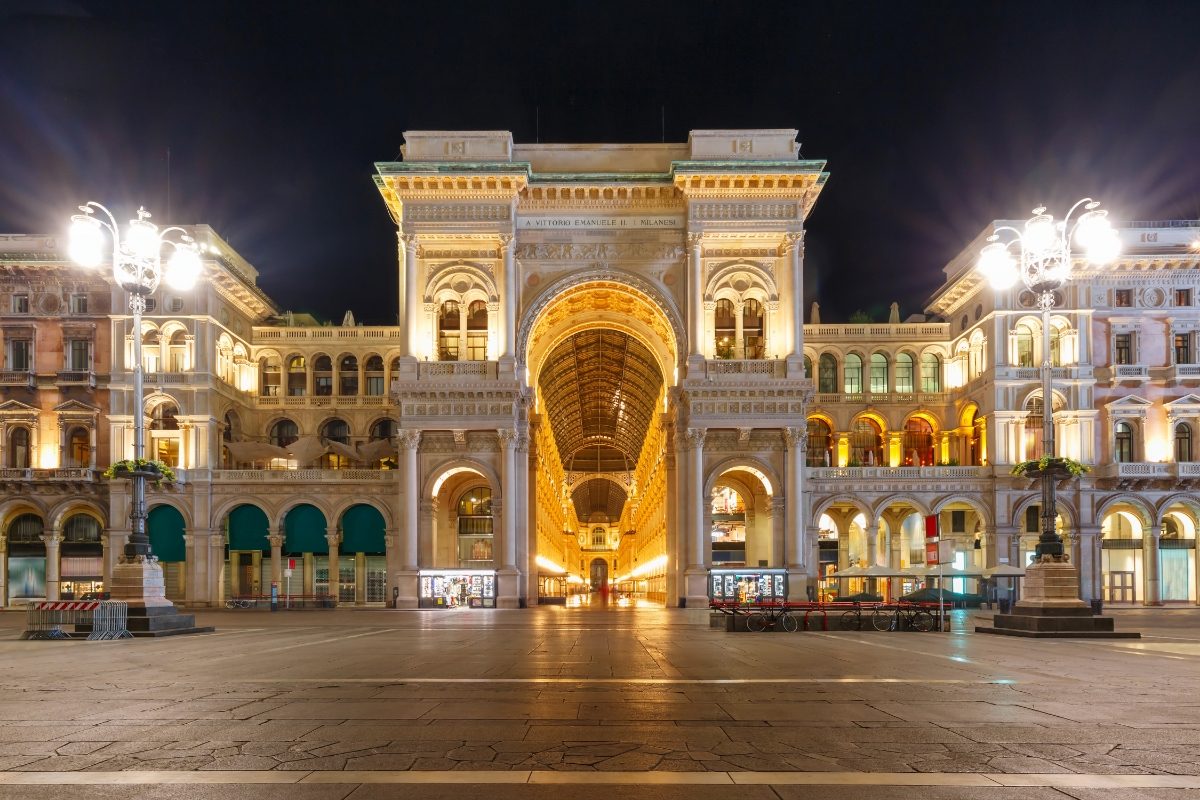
pixel 789 622
pixel 883 619
pixel 757 622
pixel 921 621
pixel 230 604
pixel 851 621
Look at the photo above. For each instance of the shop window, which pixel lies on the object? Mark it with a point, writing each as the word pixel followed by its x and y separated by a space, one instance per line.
pixel 81 529
pixel 323 376
pixel 373 369
pixel 1123 348
pixel 297 376
pixel 820 443
pixel 917 443
pixel 931 373
pixel 20 355
pixel 753 340
pixel 18 448
pixel 475 527
pixel 448 331
pixel 866 444
pixel 284 432
pixel 1183 443
pixel 852 374
pixel 1123 443
pixel 272 375
pixel 827 379
pixel 879 373
pixel 477 331
pixel 348 376
pixel 79 448
pixel 728 527
pixel 904 373
pixel 1183 348
pixel 725 329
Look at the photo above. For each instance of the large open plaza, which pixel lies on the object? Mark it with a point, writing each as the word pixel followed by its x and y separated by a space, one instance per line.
pixel 558 702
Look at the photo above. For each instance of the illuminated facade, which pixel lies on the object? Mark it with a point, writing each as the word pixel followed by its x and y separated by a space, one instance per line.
pixel 603 379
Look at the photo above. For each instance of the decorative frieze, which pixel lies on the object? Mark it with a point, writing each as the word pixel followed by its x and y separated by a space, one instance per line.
pixel 605 251
pixel 722 212
pixel 457 212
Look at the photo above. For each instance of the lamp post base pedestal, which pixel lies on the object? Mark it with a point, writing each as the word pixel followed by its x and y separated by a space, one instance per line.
pixel 139 582
pixel 1050 608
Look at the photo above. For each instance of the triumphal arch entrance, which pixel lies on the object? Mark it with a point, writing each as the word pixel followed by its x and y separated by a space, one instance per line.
pixel 601 386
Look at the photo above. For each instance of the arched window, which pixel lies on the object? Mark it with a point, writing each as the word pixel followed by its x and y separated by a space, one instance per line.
pixel 866 443
pixel 477 331
pixel 163 417
pixel 820 443
pixel 931 373
pixel 79 448
pixel 231 431
pixel 383 429
pixel 753 339
pixel 827 379
pixel 348 376
pixel 323 376
pixel 336 431
pixel 164 433
pixel 1023 343
pixel 808 367
pixel 177 355
pixel 879 373
pixel 917 443
pixel 1056 334
pixel 1123 443
pixel 448 330
pixel 151 350
pixel 394 366
pixel 1033 427
pixel 373 370
pixel 271 376
pixel 18 448
pixel 598 537
pixel 284 432
pixel 904 373
pixel 1183 443
pixel 475 527
pixel 26 529
pixel 297 377
pixel 725 329
pixel 852 374
pixel 81 529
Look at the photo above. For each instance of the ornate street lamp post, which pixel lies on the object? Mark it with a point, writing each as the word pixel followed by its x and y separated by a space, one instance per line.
pixel 1040 256
pixel 137 267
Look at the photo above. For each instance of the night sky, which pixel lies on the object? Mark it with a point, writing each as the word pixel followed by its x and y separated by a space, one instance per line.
pixel 935 118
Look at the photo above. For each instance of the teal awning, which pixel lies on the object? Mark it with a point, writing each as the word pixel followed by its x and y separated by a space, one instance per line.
pixel 248 529
pixel 305 529
pixel 362 530
pixel 164 525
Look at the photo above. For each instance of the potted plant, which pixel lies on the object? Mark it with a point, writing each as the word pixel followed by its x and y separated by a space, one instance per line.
pixel 1056 467
pixel 156 471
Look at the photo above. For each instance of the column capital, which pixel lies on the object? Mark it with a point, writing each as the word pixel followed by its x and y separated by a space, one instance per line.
pixel 334 539
pixel 508 437
pixel 694 239
pixel 408 438
pixel 275 539
pixel 793 239
pixel 522 442
pixel 54 537
pixel 408 240
pixel 695 438
pixel 796 438
pixel 506 240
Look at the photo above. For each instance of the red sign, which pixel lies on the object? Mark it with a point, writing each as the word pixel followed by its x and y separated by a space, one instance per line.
pixel 291 563
pixel 931 526
pixel 931 553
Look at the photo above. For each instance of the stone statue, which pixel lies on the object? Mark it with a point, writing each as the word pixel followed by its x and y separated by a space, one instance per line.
pixel 814 316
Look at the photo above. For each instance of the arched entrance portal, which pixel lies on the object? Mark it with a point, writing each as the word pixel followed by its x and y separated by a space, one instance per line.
pixel 601 354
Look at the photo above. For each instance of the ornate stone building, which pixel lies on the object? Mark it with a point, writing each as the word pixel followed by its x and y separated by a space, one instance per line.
pixel 603 379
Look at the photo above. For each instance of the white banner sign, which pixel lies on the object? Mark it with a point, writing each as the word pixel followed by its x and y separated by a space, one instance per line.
pixel 602 223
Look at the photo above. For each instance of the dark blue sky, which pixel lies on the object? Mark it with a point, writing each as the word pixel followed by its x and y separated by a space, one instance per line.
pixel 934 117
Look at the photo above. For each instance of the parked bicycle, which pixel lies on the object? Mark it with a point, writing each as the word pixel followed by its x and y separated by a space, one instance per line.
pixel 238 602
pixel 852 620
pixel 761 619
pixel 899 617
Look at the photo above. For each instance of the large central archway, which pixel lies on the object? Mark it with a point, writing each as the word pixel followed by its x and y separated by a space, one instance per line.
pixel 600 351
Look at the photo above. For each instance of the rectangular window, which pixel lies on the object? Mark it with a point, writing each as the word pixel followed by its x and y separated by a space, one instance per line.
pixel 1183 348
pixel 904 374
pixel 958 521
pixel 20 355
pixel 1123 298
pixel 78 351
pixel 20 304
pixel 1033 520
pixel 477 347
pixel 1123 348
pixel 176 305
pixel 879 376
pixel 79 304
pixel 1183 297
pixel 323 385
pixel 151 304
pixel 375 385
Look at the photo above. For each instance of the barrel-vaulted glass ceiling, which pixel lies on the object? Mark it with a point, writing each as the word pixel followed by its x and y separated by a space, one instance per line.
pixel 599 389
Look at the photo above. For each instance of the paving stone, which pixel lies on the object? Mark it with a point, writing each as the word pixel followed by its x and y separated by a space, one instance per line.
pixel 631 762
pixel 241 763
pixel 322 763
pixel 387 761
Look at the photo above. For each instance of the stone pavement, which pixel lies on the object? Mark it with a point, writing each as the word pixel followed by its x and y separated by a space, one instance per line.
pixel 496 704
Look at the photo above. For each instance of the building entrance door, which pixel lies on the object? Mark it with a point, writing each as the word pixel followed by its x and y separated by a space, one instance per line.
pixel 1118 587
pixel 599 575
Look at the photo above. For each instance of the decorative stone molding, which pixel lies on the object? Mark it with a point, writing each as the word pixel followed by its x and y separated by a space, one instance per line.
pixel 592 251
pixel 695 438
pixel 744 435
pixel 275 539
pixel 796 438
pixel 744 211
pixel 456 212
pixel 408 439
pixel 507 437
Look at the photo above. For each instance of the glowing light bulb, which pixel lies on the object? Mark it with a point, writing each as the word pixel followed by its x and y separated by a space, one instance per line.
pixel 1105 249
pixel 142 239
pixel 996 264
pixel 183 268
pixel 1040 233
pixel 86 246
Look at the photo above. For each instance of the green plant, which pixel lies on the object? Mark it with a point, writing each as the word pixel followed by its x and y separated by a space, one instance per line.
pixel 1072 466
pixel 854 462
pixel 144 465
pixel 950 462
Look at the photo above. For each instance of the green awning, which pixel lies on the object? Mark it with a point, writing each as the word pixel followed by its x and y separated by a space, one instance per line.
pixel 248 529
pixel 305 529
pixel 362 530
pixel 164 525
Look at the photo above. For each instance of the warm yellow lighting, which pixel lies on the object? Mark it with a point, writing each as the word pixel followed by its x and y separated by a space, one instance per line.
pixel 549 566
pixel 1156 450
pixel 997 266
pixel 142 238
pixel 184 268
pixel 649 568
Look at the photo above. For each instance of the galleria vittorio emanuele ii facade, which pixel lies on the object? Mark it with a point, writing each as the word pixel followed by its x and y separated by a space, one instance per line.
pixel 603 377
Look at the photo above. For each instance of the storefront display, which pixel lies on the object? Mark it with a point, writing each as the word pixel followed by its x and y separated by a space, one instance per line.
pixel 748 585
pixel 462 588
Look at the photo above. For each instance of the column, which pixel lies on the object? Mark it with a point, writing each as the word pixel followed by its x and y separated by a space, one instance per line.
pixel 216 569
pixel 410 299
pixel 510 296
pixel 308 577
pixel 276 541
pixel 796 441
pixel 426 525
pixel 1153 595
pixel 360 579
pixel 53 542
pixel 3 570
pixel 508 574
pixel 708 343
pixel 407 561
pixel 778 508
pixel 696 575
pixel 1089 545
pixel 794 243
pixel 695 297
pixel 676 552
pixel 335 540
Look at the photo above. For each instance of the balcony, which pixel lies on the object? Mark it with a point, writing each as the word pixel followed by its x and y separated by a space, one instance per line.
pixel 745 368
pixel 77 378
pixel 887 398
pixel 16 378
pixel 1129 372
pixel 1023 374
pixel 327 333
pixel 321 401
pixel 240 476
pixel 159 378
pixel 63 474
pixel 896 473
pixel 1149 470
pixel 1183 372
pixel 454 369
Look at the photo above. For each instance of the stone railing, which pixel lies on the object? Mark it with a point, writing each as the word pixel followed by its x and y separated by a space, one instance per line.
pixel 170 377
pixel 1184 372
pixel 1135 469
pixel 1035 373
pixel 322 401
pixel 903 331
pixel 906 398
pixel 454 369
pixel 1126 372
pixel 303 475
pixel 743 368
pixel 897 473
pixel 16 378
pixel 60 474
pixel 76 378
pixel 327 333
